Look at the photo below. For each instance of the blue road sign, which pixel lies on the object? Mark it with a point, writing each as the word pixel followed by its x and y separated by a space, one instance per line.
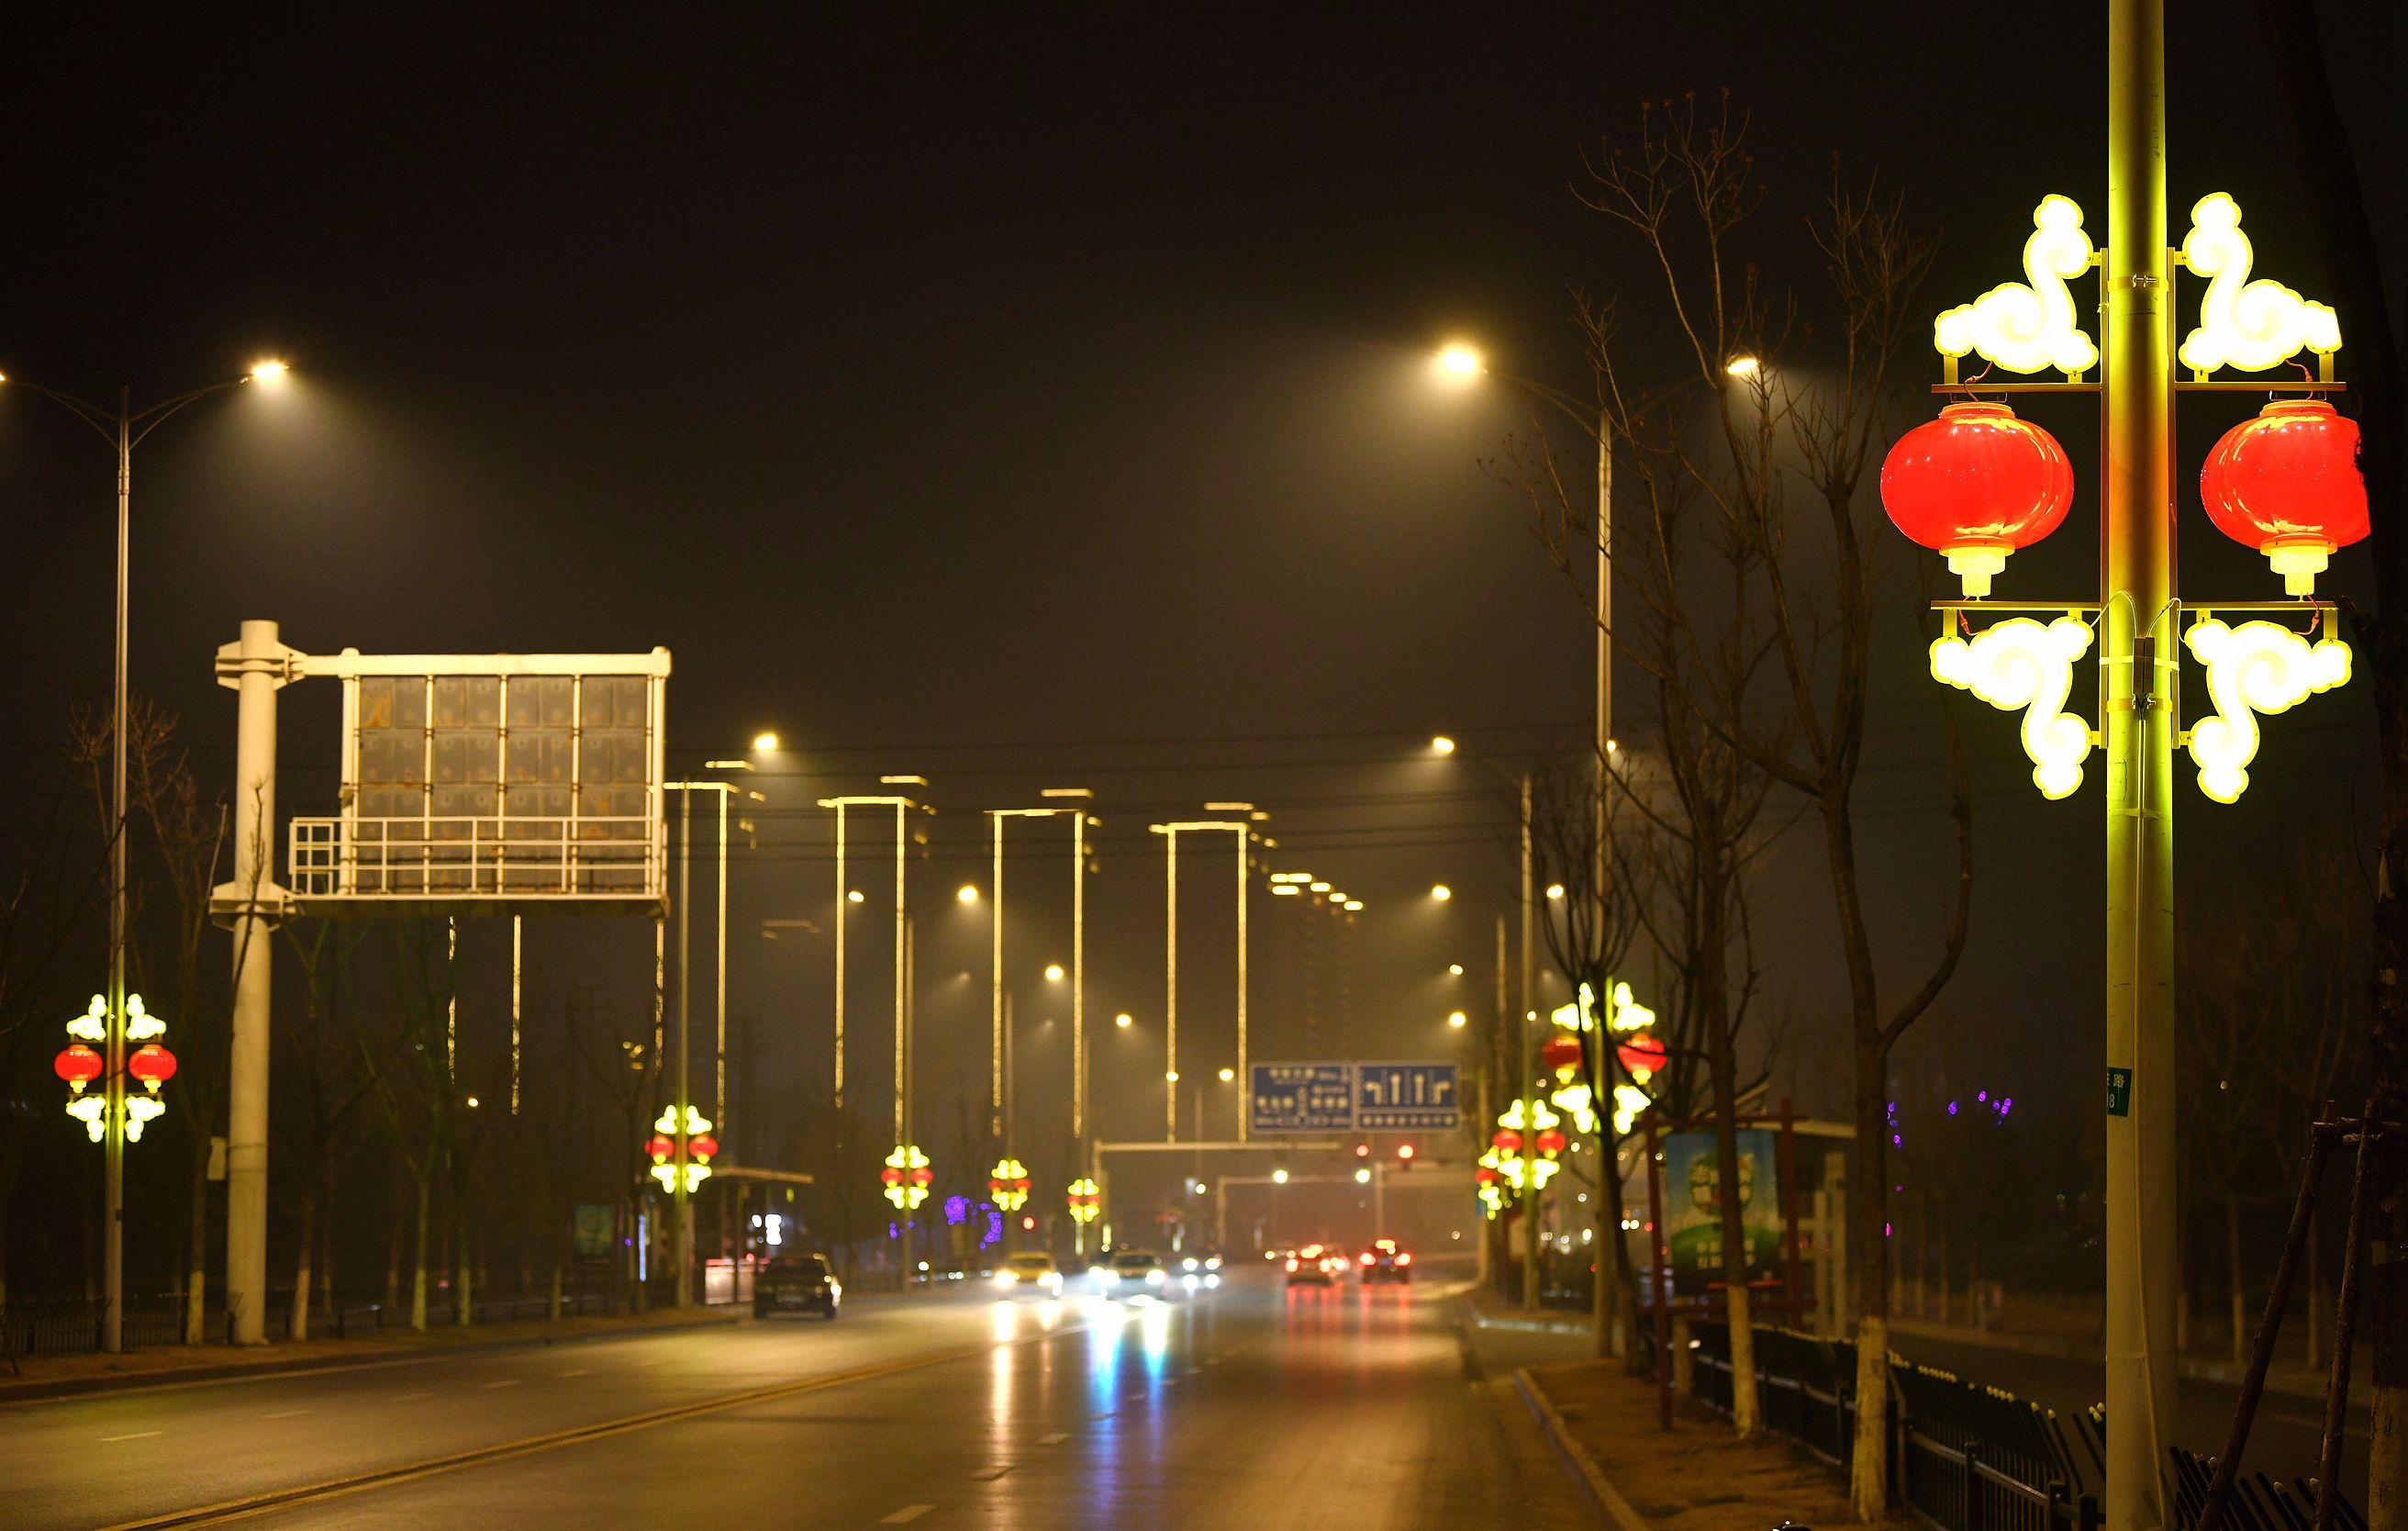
pixel 1406 1098
pixel 1301 1097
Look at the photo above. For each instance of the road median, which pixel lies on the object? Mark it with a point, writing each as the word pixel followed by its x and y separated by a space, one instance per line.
pixel 42 1378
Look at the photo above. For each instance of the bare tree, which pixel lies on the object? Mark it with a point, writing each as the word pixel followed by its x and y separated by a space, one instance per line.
pixel 2328 176
pixel 1777 659
pixel 329 1069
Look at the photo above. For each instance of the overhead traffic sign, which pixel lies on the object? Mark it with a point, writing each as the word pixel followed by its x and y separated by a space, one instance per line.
pixel 1353 1097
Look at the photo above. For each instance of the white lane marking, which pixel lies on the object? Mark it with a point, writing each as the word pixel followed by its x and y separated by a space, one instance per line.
pixel 907 1514
pixel 581 1371
pixel 1056 1438
pixel 407 1397
pixel 138 1434
pixel 504 1382
pixel 285 1414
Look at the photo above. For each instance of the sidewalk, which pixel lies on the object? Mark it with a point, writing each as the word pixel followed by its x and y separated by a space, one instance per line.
pixel 53 1377
pixel 1696 1478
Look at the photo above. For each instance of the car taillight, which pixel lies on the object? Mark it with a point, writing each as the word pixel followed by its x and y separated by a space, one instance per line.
pixel 1404 1259
pixel 1291 1263
pixel 1367 1257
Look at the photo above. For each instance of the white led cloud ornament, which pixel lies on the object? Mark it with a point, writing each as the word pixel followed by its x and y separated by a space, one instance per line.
pixel 2257 667
pixel 2021 663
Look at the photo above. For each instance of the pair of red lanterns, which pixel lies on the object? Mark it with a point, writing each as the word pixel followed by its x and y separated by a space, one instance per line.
pixel 1978 483
pixel 1561 1054
pixel 79 1066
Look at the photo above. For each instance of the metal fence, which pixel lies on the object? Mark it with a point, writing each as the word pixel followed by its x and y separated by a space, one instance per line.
pixel 1966 1457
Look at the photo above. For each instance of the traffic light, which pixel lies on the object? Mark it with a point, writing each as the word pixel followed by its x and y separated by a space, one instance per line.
pixel 1404 1154
pixel 1362 1150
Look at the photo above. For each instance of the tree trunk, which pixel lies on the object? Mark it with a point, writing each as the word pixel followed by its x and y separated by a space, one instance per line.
pixel 306 1244
pixel 196 1255
pixel 418 1263
pixel 2315 1305
pixel 2233 1270
pixel 1868 1230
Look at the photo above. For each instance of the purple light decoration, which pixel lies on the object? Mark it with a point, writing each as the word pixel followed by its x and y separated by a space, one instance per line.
pixel 1896 1141
pixel 957 1211
pixel 1952 1108
pixel 1983 1097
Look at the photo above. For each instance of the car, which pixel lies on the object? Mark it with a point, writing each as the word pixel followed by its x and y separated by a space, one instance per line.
pixel 1200 1271
pixel 1384 1261
pixel 1315 1264
pixel 1132 1271
pixel 796 1283
pixel 1031 1273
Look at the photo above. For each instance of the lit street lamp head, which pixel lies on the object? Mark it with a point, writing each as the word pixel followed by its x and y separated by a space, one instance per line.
pixel 1458 363
pixel 1743 366
pixel 1228 1075
pixel 968 893
pixel 1441 745
pixel 1053 973
pixel 268 372
pixel 1122 1020
pixel 1442 892
pixel 764 744
pixel 1458 1021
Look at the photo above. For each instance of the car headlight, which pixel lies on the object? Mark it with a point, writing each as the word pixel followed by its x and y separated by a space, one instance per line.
pixel 1212 1263
pixel 1005 1278
pixel 1154 1278
pixel 1107 1278
pixel 1188 1263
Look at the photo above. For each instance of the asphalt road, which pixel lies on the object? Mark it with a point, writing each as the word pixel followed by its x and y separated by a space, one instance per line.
pixel 2282 1442
pixel 1248 1408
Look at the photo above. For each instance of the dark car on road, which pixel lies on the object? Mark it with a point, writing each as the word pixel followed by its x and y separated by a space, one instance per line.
pixel 1384 1261
pixel 796 1283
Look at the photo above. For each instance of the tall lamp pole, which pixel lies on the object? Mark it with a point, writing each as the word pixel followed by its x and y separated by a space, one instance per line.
pixel 1244 830
pixel 902 806
pixel 124 429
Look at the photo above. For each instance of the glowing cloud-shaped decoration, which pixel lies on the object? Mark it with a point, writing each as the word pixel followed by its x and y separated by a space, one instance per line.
pixel 1629 1101
pixel 2250 325
pixel 2020 663
pixel 2028 326
pixel 2257 667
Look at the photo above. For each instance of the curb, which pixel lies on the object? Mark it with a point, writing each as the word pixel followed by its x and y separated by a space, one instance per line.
pixel 1528 1326
pixel 269 1366
pixel 1605 1502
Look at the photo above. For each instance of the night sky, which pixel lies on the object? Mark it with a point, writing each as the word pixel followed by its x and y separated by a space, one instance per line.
pixel 1032 397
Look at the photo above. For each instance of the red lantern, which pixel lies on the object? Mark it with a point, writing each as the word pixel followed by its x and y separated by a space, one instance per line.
pixel 1976 484
pixel 701 1146
pixel 151 1064
pixel 660 1147
pixel 1641 1055
pixel 79 1066
pixel 2287 484
pixel 1551 1143
pixel 1508 1142
pixel 1561 1052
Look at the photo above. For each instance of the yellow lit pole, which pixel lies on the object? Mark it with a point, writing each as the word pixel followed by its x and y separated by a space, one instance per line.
pixel 902 806
pixel 2137 654
pixel 1243 828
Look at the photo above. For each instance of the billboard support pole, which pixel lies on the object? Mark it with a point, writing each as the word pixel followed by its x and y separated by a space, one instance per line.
pixel 256 667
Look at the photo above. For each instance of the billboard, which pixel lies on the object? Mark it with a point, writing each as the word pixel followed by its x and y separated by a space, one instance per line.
pixel 505 779
pixel 1693 1227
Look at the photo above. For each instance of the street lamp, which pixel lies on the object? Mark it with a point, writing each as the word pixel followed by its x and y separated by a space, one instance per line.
pixel 1072 801
pixel 1441 745
pixel 1744 367
pixel 1442 892
pixel 764 744
pixel 1053 973
pixel 2132 623
pixel 125 427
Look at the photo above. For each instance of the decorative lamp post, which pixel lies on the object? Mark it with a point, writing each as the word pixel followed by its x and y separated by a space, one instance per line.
pixel 148 1064
pixel 906 1178
pixel 1007 1185
pixel 1087 1201
pixel 2284 484
pixel 699 1147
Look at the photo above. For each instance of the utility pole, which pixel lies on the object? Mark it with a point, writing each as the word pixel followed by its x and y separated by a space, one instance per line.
pixel 2138 656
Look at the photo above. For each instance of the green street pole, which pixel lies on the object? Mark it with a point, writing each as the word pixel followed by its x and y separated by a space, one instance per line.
pixel 2137 654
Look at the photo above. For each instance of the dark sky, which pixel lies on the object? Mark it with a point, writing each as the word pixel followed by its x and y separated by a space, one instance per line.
pixel 1018 397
